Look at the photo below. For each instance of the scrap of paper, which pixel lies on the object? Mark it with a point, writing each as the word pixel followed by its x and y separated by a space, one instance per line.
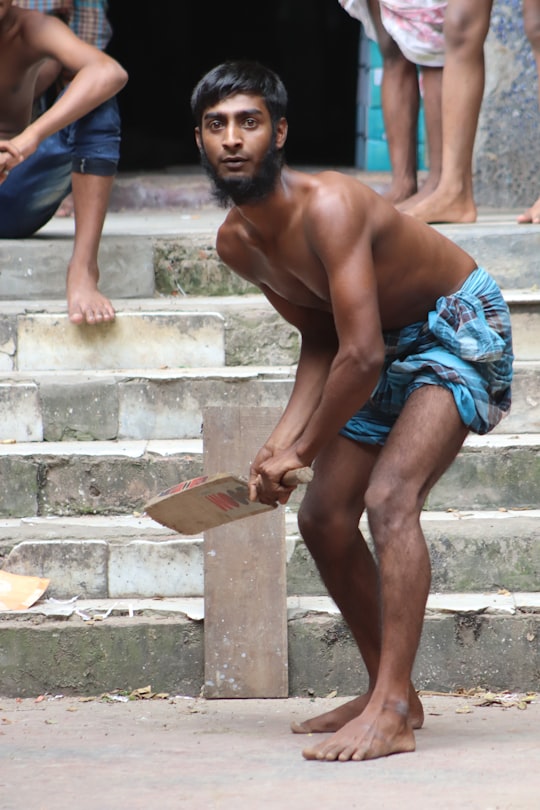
pixel 18 592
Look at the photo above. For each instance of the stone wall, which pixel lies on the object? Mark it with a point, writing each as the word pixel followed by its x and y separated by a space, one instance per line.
pixel 506 156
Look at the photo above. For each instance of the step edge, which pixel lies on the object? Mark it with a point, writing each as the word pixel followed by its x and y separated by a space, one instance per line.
pixel 492 604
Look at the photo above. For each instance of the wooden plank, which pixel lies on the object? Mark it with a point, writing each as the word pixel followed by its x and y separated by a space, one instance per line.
pixel 245 589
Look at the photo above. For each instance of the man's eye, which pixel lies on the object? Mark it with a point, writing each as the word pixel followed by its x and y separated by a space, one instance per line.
pixel 215 124
pixel 250 122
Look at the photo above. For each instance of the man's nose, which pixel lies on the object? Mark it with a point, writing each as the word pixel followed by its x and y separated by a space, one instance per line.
pixel 232 135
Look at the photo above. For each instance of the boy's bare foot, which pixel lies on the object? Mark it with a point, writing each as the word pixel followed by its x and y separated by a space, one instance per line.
pixel 85 302
pixel 378 732
pixel 337 718
pixel 532 214
pixel 442 207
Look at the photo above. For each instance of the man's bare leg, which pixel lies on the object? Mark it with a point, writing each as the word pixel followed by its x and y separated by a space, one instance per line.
pixel 86 304
pixel 531 22
pixel 432 80
pixel 346 565
pixel 466 26
pixel 411 462
pixel 400 98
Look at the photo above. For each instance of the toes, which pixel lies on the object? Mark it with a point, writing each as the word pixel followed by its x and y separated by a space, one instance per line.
pixel 311 753
pixel 76 318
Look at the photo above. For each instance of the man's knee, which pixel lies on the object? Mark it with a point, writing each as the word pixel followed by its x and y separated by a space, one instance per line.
pixel 324 529
pixel 390 505
pixel 466 25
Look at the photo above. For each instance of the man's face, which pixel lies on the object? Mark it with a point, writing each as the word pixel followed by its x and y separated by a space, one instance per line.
pixel 240 150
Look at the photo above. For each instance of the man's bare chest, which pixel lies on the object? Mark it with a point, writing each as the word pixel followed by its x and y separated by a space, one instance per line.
pixel 292 271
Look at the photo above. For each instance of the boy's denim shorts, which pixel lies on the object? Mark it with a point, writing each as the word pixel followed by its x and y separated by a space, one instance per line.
pixel 34 190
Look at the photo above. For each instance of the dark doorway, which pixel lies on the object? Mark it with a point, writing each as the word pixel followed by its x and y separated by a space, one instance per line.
pixel 312 44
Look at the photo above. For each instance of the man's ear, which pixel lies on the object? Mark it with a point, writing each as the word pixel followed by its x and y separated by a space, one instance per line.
pixel 282 129
pixel 198 138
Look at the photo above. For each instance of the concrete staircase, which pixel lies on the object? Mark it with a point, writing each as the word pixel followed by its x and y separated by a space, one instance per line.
pixel 93 421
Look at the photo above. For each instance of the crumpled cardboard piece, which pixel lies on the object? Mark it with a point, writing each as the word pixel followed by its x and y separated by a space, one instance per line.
pixel 18 592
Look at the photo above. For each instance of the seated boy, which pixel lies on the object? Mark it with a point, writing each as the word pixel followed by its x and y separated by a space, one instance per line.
pixel 73 144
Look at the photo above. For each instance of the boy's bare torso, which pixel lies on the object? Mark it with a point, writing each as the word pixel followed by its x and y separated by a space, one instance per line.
pixel 299 241
pixel 19 66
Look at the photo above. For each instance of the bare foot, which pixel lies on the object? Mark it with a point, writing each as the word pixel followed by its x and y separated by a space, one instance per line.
pixel 424 191
pixel 85 302
pixel 337 718
pixel 532 214
pixel 398 192
pixel 378 732
pixel 442 207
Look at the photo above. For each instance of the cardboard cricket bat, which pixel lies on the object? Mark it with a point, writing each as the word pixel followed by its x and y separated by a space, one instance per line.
pixel 208 501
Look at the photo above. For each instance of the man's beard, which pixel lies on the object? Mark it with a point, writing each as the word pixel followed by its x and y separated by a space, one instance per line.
pixel 228 191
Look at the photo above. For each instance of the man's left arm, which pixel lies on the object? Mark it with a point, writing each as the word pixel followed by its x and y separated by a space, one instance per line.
pixel 346 253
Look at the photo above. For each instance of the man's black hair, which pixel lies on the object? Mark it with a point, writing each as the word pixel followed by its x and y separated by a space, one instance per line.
pixel 240 77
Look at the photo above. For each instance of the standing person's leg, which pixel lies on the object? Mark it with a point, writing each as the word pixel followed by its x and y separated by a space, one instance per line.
pixel 432 85
pixel 531 21
pixel 346 564
pixel 400 104
pixel 95 142
pixel 465 28
pixel 421 446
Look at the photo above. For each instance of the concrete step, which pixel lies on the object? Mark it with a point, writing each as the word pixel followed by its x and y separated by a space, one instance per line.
pixel 131 556
pixel 158 339
pixel 96 646
pixel 167 332
pixel 70 478
pixel 136 404
pixel 144 252
pixel 167 403
pixel 65 478
pixel 178 332
pixel 510 252
pixel 36 268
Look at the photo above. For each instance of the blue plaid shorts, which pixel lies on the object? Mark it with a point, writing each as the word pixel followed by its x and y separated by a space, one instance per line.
pixel 465 345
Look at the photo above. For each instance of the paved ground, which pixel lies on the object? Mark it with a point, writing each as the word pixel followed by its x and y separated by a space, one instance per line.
pixel 191 754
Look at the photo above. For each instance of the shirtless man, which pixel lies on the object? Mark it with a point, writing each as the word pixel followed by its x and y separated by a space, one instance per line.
pixel 41 159
pixel 381 403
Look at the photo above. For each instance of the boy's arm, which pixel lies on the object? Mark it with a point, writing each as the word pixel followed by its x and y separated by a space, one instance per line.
pixel 96 77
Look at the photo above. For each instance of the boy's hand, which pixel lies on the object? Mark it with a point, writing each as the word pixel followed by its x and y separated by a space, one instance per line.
pixel 9 157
